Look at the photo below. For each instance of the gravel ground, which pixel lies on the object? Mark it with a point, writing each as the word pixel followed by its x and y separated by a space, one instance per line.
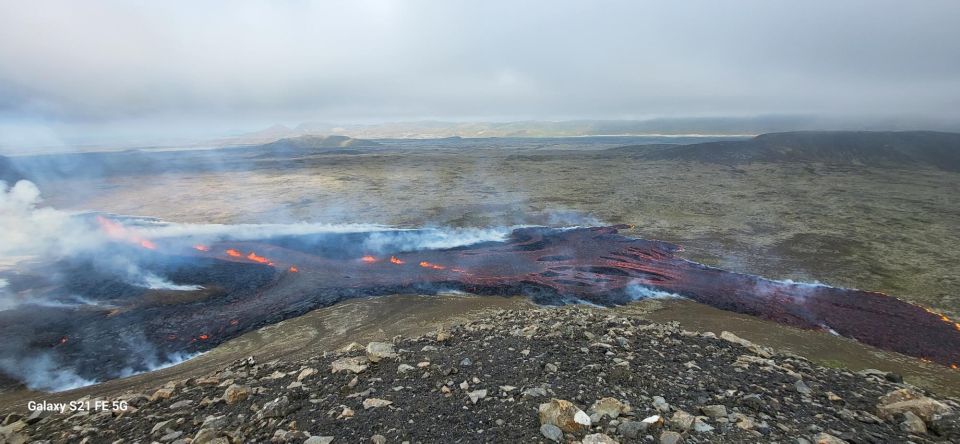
pixel 571 374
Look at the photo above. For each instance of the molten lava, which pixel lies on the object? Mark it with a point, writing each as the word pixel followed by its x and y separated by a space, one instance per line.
pixel 368 259
pixel 116 230
pixel 551 266
pixel 253 257
pixel 199 247
pixel 426 264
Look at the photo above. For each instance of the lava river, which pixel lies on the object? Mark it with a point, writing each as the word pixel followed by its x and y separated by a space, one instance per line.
pixel 246 285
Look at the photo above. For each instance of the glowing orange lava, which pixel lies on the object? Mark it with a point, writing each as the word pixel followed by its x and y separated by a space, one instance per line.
pixel 293 269
pixel 117 231
pixel 426 264
pixel 199 247
pixel 234 253
pixel 368 259
pixel 253 257
pixel 234 322
pixel 203 337
pixel 394 260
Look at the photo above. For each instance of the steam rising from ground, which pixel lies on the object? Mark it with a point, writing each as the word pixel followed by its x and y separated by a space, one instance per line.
pixel 639 292
pixel 41 371
pixel 27 229
pixel 45 235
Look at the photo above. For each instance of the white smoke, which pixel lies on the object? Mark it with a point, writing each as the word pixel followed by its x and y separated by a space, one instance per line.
pixel 433 238
pixel 7 300
pixel 161 230
pixel 40 371
pixel 800 290
pixel 27 229
pixel 155 282
pixel 639 292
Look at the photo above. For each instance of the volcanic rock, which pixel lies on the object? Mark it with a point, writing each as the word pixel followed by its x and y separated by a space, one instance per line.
pixel 275 409
pixel 563 414
pixel 609 407
pixel 164 393
pixel 306 373
pixel 908 400
pixel 598 438
pixel 319 440
pixel 670 437
pixel 682 420
pixel 714 411
pixel 826 438
pixel 912 423
pixel 661 404
pixel 372 403
pixel 551 432
pixel 236 393
pixel 477 395
pixel 765 405
pixel 378 351
pixel 354 364
pixel 632 429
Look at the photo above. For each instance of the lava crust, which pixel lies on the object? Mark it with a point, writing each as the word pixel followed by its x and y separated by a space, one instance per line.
pixel 290 276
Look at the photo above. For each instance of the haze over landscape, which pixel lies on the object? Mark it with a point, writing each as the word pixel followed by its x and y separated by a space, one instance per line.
pixel 118 73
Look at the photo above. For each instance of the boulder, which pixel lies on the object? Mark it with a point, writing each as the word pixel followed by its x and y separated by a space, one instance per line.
pixel 355 364
pixel 670 437
pixel 236 393
pixel 378 351
pixel 682 420
pixel 164 393
pixel 912 424
pixel 632 429
pixel 551 432
pixel 609 407
pixel 758 350
pixel 714 411
pixel 598 438
pixel 306 373
pixel 826 438
pixel 564 415
pixel 277 408
pixel 907 400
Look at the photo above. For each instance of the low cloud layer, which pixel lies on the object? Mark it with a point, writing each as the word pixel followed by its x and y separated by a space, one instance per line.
pixel 120 69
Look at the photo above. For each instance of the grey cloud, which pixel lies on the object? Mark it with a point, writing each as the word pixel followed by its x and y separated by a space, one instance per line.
pixel 195 65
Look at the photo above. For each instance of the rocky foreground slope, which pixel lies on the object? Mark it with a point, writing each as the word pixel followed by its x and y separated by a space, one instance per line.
pixel 572 374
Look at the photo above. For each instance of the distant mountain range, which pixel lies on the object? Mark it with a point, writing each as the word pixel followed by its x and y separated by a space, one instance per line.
pixel 898 149
pixel 869 148
pixel 314 142
pixel 572 128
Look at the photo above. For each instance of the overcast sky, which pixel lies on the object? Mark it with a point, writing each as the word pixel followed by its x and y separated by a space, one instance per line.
pixel 102 69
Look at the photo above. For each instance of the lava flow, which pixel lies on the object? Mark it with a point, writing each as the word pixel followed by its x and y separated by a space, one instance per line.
pixel 241 292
